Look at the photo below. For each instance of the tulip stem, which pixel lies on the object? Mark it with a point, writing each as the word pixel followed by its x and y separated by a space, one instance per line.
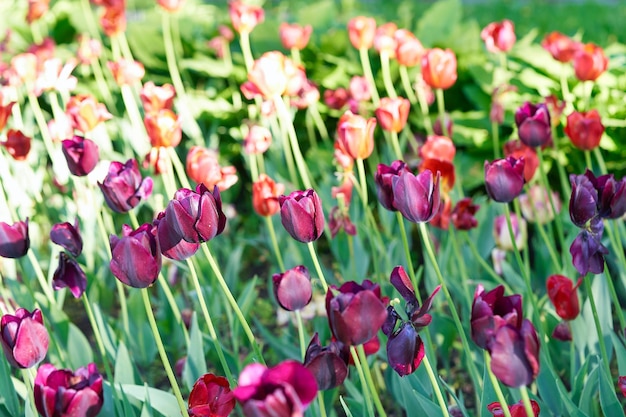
pixel 421 96
pixel 314 111
pixel 406 84
pixel 320 400
pixel 546 185
pixel 43 131
pixel 455 315
pixel 436 388
pixel 209 322
pixel 615 300
pixel 233 303
pixel 270 228
pixel 366 392
pixel 362 183
pixel 407 253
pixel 318 268
pixel 295 56
pixel 159 342
pixel 178 167
pixel 396 145
pixel 496 385
pixel 369 76
pixel 564 87
pixel 244 42
pixel 133 111
pixel 488 269
pixel 596 320
pixel 600 159
pixel 588 162
pixel 300 333
pixel 370 382
pixel 441 106
pixel 102 85
pixel 384 65
pixel 526 400
pixel 45 286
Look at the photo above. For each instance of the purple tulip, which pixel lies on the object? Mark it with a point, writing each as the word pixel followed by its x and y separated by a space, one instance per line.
pixel 293 288
pixel 136 257
pixel 328 364
pixel 123 188
pixel 68 237
pixel 611 195
pixel 533 124
pixel 587 249
pixel 504 179
pixel 492 310
pixel 583 203
pixel 301 215
pixel 282 391
pixel 356 312
pixel 171 243
pixel 61 392
pixel 196 216
pixel 562 332
pixel 24 338
pixel 515 354
pixel 14 241
pixel 81 155
pixel 405 349
pixel 417 197
pixel 384 182
pixel 69 274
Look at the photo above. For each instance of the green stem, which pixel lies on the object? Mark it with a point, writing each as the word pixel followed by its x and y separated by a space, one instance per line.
pixel 43 129
pixel 564 87
pixel 526 400
pixel 596 320
pixel 428 125
pixel 270 228
pixel 318 268
pixel 436 388
pixel 366 393
pixel 370 381
pixel 441 106
pixel 45 286
pixel 301 334
pixel 406 84
pixel 159 342
pixel 320 400
pixel 101 83
pixel 598 154
pixel 407 253
pixel 461 261
pixel 488 269
pixel 244 42
pixel 496 386
pixel 362 183
pixel 369 76
pixel 133 112
pixel 396 145
pixel 178 167
pixel 516 252
pixel 588 160
pixel 295 56
pixel 280 131
pixel 319 122
pixel 614 299
pixel 546 185
pixel 98 336
pixel 386 70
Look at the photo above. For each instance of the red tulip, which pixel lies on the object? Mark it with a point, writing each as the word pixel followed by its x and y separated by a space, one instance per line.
pixel 562 293
pixel 265 194
pixel 499 36
pixel 294 35
pixel 245 17
pixel 584 129
pixel 211 397
pixel 17 144
pixel 590 62
pixel 439 68
pixel 393 113
pixel 561 47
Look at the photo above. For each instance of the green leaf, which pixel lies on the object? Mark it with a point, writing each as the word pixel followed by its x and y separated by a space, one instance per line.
pixel 8 396
pixel 548 386
pixel 195 365
pixel 438 22
pixel 79 350
pixel 123 366
pixel 587 397
pixel 161 401
pixel 489 394
pixel 608 399
pixel 620 353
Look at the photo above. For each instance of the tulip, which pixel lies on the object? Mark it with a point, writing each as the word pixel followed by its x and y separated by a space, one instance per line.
pixel 339 219
pixel 516 410
pixel 296 77
pixel 608 195
pixel 203 167
pixel 285 390
pixel 164 128
pixel 14 240
pixel 244 17
pixel 621 381
pixel 492 310
pixel 504 179
pixel 587 249
pixel 536 205
pixel 171 243
pixel 294 36
pixel 126 72
pixel 155 98
pixel 590 62
pixel 328 364
pixel 515 354
pixel 258 140
pixel 171 5
pixel 89 50
pixel 444 168
pixel 268 76
pixel 17 144
pixel 355 312
pixel 265 194
pixel 533 124
pixel 24 338
pixel 136 256
pixel 356 135
pixel 196 216
pixel 502 236
pixel 292 288
pixel 584 129
pixel 562 332
pixel 5 110
pixel 417 197
pixel 438 147
pixel 409 50
pixel 336 99
pixel 36 9
pixel 384 178
pixel 211 397
pixel 393 113
pixel 361 31
pixel 384 39
pixel 308 95
pixel 439 68
pixel 517 150
pixel 359 88
pixel 301 215
pixel 463 214
pixel 561 47
pixel 81 155
pixel 68 237
pixel 445 128
pixel 69 274
pixel 562 293
pixel 123 188
pixel 113 21
pixel 61 392
pixel 583 203
pixel 499 36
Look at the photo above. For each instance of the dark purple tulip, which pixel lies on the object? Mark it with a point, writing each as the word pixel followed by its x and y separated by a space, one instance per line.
pixel 611 195
pixel 515 354
pixel 533 124
pixel 69 274
pixel 583 203
pixel 504 179
pixel 68 237
pixel 292 288
pixel 417 196
pixel 384 182
pixel 24 338
pixel 405 349
pixel 356 312
pixel 301 215
pixel 14 241
pixel 81 155
pixel 562 332
pixel 171 243
pixel 196 216
pixel 282 391
pixel 328 364
pixel 61 392
pixel 136 257
pixel 492 310
pixel 123 188
pixel 587 249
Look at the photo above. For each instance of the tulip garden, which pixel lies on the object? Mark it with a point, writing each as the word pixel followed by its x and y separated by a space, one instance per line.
pixel 214 208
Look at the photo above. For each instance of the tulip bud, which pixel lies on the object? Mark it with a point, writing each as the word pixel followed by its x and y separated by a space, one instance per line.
pixel 258 140
pixel 292 288
pixel 86 113
pixel 561 47
pixel 245 17
pixel 562 293
pixel 17 144
pixel 438 147
pixel 123 188
pixel 393 113
pixel 439 68
pixel 536 205
pixel 417 197
pixel 14 240
pixel 203 167
pixel 301 215
pixel 356 135
pixel 68 237
pixel 126 72
pixel 533 124
pixel 171 243
pixel 583 203
pixel 295 36
pixel 384 40
pixel 384 179
pixel 409 49
pixel 81 155
pixel 211 397
pixel 69 274
pixel 24 338
pixel 265 194
pixel 155 98
pixel 584 129
pixel 590 62
pixel 499 36
pixel 36 9
pixel 136 256
pixel 328 364
pixel 587 249
pixel 504 179
pixel 502 236
pixel 361 31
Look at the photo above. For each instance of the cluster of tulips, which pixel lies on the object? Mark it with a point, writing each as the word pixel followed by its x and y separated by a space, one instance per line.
pixel 74 138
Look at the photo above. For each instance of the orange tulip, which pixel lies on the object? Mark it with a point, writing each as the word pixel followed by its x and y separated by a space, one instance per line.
pixel 561 47
pixel 203 167
pixel 163 127
pixel 438 147
pixel 439 68
pixel 36 9
pixel 85 112
pixel 265 193
pixel 361 30
pixel 409 49
pixel 155 98
pixel 356 135
pixel 393 113
pixel 384 40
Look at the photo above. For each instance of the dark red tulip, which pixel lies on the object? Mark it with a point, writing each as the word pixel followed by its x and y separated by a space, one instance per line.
pixel 463 214
pixel 562 332
pixel 338 220
pixel 355 312
pixel 584 129
pixel 211 397
pixel 621 381
pixel 492 310
pixel 17 144
pixel 533 124
pixel 285 390
pixel 24 338
pixel 136 257
pixel 81 155
pixel 301 215
pixel 69 274
pixel 587 249
pixel 61 392
pixel 515 354
pixel 384 182
pixel 14 240
pixel 516 410
pixel 611 195
pixel 583 203
pixel 504 179
pixel 562 293
pixel 417 197
pixel 171 243
pixel 67 236
pixel 123 188
pixel 405 349
pixel 328 364
pixel 292 288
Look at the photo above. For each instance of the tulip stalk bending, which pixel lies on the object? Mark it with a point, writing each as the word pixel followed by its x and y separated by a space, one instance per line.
pixel 384 64
pixel 596 320
pixel 496 385
pixel 406 84
pixel 318 268
pixel 367 71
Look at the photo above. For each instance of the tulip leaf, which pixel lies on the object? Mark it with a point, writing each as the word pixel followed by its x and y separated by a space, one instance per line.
pixel 587 397
pixel 8 396
pixel 161 401
pixel 548 385
pixel 79 350
pixel 28 410
pixel 489 393
pixel 195 365
pixel 123 366
pixel 608 399
pixel 620 353
pixel 570 407
pixel 108 337
pixel 438 22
